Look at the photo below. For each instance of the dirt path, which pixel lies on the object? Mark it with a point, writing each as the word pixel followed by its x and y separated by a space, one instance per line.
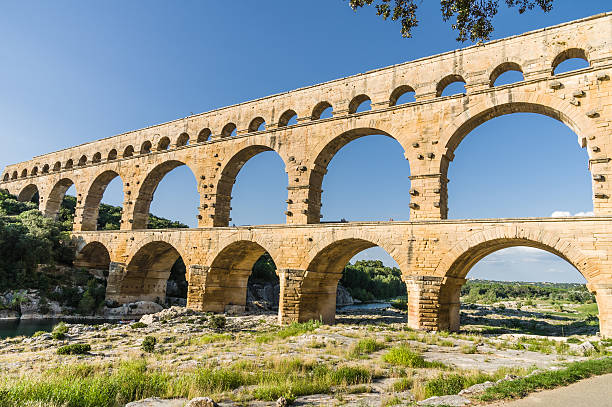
pixel 593 392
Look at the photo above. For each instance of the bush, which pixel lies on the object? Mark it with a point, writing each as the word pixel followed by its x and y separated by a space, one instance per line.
pixel 444 385
pixel 217 322
pixel 148 344
pixel 59 331
pixel 74 349
pixel 138 325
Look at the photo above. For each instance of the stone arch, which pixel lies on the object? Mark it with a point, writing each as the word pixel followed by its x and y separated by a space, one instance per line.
pixel 94 255
pixel 128 151
pixel 325 152
pixel 34 171
pixel 228 129
pixel 28 193
pixel 204 135
pixel 57 166
pixel 317 290
pixel 163 143
pixel 319 108
pixel 182 140
pixel 501 69
pixel 145 275
pixel 398 92
pixel 144 197
pixel 224 283
pixel 15 175
pixel 515 102
pixel 45 169
pixel 56 196
pixel 228 177
pixel 24 173
pixel 284 118
pixel 112 155
pixel 91 206
pixel 356 102
pixel 455 265
pixel 97 157
pixel 69 164
pixel 82 161
pixel 6 177
pixel 255 124
pixel 447 80
pixel 145 148
pixel 569 54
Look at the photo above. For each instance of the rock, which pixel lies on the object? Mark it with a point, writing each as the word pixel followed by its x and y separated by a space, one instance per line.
pixel 9 314
pixel 201 402
pixel 282 402
pixel 167 314
pixel 451 401
pixel 477 388
pixel 234 309
pixel 134 309
pixel 343 297
pixel 157 402
pixel 583 348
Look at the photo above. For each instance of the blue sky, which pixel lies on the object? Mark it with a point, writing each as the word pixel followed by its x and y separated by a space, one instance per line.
pixel 73 71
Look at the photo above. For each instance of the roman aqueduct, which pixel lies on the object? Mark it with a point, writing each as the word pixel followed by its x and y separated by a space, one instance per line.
pixel 434 253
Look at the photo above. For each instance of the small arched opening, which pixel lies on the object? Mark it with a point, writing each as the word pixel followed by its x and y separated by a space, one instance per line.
pixel 24 173
pixel 69 164
pixel 451 85
pixel 145 148
pixel 57 166
pixel 182 140
pixel 505 74
pixel 288 118
pixel 45 169
pixel 570 60
pixel 229 130
pixel 204 135
pixel 112 155
pixel 128 152
pixel 360 103
pixel 322 110
pixel 97 157
pixel 82 161
pixel 401 95
pixel 257 124
pixel 163 144
pixel 34 171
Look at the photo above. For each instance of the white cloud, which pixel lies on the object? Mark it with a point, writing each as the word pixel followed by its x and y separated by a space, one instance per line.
pixel 563 214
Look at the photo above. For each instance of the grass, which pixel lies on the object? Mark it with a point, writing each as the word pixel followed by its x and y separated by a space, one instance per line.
pixel 59 331
pixel 210 338
pixel 402 355
pixel 74 349
pixel 89 385
pixel 293 329
pixel 364 347
pixel 547 380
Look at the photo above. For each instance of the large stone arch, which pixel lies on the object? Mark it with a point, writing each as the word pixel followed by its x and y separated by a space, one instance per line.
pixel 94 255
pixel 93 197
pixel 28 193
pixel 147 189
pixel 227 178
pixel 145 274
pixel 315 292
pixel 455 265
pixel 322 155
pixel 53 201
pixel 223 283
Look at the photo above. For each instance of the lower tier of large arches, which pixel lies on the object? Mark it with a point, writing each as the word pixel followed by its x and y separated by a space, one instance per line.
pixel 434 259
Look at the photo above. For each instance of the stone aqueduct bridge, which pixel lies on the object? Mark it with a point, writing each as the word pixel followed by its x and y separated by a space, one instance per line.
pixel 434 254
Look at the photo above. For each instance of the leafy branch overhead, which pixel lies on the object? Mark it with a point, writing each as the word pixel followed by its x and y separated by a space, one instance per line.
pixel 472 18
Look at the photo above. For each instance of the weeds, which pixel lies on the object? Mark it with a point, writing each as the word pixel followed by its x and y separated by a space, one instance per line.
pixel 294 329
pixel 364 347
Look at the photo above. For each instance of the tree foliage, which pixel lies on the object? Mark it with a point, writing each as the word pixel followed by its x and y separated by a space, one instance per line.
pixel 472 18
pixel 369 280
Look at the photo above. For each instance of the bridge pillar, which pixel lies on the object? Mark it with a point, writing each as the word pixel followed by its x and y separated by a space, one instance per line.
pixel 307 295
pixel 214 289
pixel 423 301
pixel 429 196
pixel 603 295
pixel 124 287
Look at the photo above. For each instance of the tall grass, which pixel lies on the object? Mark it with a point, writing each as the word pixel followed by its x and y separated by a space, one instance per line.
pixel 293 329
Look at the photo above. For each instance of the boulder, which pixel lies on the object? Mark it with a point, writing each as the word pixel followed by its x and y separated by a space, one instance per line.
pixel 343 297
pixel 133 309
pixel 201 402
pixel 157 402
pixel 450 401
pixel 167 314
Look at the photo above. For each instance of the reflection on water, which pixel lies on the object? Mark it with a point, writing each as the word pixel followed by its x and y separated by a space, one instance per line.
pixel 365 306
pixel 27 327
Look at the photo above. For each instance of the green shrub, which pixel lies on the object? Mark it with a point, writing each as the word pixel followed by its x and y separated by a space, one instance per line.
pixel 365 347
pixel 59 331
pixel 444 385
pixel 138 325
pixel 403 384
pixel 350 375
pixel 74 349
pixel 148 344
pixel 217 322
pixel 404 356
pixel 38 333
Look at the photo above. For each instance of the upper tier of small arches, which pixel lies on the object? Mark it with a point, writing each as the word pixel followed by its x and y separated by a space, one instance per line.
pixel 289 117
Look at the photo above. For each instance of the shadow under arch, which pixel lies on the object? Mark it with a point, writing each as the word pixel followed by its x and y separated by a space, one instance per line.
pixel 93 198
pixel 146 274
pixel 227 180
pixel 93 256
pixel 142 203
pixel 326 153
pixel 317 299
pixel 227 278
pixel 28 193
pixel 456 264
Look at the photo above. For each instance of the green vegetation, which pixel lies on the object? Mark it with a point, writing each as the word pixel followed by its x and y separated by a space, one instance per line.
pixel 483 291
pixel 293 329
pixel 85 385
pixel 148 344
pixel 365 347
pixel 547 380
pixel 402 355
pixel 138 325
pixel 217 322
pixel 74 349
pixel 369 280
pixel 59 331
